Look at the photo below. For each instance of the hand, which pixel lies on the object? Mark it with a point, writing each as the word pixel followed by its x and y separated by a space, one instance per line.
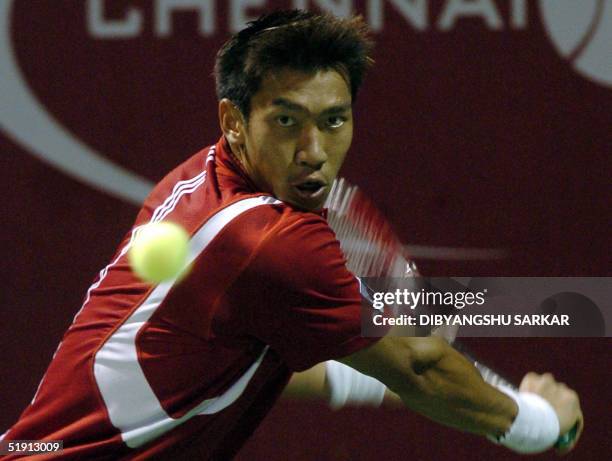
pixel 564 400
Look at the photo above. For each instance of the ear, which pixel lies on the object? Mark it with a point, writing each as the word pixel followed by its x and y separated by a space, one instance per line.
pixel 232 122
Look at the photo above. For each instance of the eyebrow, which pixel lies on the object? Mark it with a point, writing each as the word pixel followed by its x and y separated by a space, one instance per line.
pixel 282 102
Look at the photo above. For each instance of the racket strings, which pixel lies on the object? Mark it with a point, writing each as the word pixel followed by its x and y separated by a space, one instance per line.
pixel 371 249
pixel 366 239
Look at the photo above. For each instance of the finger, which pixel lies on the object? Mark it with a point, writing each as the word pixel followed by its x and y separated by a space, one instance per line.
pixel 528 382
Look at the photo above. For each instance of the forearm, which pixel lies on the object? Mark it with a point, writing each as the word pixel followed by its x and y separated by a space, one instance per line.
pixel 446 387
pixel 309 384
pixel 433 379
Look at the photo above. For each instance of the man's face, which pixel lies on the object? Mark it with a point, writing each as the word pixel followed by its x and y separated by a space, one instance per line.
pixel 298 132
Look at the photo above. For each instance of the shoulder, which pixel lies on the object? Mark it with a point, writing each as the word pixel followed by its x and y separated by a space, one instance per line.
pixel 279 228
pixel 183 179
pixel 294 248
pixel 272 220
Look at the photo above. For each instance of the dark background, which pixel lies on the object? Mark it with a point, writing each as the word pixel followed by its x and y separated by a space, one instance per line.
pixel 471 137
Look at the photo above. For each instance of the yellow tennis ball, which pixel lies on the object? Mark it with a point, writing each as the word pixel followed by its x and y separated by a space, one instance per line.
pixel 159 251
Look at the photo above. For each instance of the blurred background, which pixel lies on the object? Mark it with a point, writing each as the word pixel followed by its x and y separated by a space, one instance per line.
pixel 484 133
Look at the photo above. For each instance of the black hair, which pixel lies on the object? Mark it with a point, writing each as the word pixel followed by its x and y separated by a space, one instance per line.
pixel 294 39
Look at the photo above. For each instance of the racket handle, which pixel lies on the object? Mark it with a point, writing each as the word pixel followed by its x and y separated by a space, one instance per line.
pixel 567 439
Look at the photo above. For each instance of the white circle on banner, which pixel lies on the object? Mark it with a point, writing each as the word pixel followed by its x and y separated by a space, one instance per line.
pixel 44 136
pixel 582 33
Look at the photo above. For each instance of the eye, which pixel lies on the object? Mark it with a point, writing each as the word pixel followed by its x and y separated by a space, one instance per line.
pixel 285 121
pixel 335 121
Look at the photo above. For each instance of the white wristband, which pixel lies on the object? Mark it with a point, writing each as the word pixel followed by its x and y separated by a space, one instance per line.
pixel 536 426
pixel 349 387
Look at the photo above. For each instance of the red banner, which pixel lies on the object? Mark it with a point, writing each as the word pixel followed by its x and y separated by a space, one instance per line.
pixel 483 132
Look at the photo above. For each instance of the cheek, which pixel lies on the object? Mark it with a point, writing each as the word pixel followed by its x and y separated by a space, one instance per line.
pixel 275 157
pixel 258 145
pixel 339 148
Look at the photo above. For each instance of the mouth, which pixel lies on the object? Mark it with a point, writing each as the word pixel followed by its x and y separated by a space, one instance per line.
pixel 310 189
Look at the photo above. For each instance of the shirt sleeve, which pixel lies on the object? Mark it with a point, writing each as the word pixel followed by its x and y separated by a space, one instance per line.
pixel 303 301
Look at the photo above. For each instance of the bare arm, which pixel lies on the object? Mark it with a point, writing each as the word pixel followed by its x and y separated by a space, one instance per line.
pixel 309 384
pixel 426 375
pixel 429 376
pixel 435 380
pixel 312 384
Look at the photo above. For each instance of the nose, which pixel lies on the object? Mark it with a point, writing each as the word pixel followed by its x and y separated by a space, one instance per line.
pixel 310 149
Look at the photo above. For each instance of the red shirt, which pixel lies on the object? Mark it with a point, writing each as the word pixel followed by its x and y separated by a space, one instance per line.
pixel 187 369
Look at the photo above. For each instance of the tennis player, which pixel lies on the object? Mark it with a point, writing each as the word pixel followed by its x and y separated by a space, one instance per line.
pixel 187 369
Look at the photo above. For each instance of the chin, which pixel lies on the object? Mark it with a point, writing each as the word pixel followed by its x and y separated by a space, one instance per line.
pixel 305 205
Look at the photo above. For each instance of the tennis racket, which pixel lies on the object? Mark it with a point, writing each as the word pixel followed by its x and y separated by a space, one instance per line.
pixel 373 250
